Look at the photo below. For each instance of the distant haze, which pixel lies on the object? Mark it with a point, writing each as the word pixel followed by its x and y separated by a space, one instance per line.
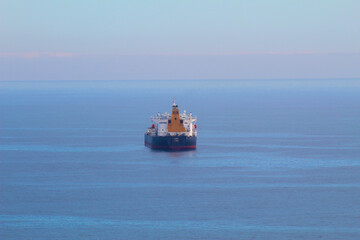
pixel 106 40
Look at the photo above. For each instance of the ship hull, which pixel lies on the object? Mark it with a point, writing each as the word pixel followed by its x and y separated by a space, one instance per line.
pixel 170 142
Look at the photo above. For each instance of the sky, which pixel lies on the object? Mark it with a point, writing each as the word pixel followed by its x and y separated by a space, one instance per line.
pixel 188 39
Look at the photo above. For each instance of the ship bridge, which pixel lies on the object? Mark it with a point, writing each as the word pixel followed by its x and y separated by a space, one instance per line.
pixel 173 124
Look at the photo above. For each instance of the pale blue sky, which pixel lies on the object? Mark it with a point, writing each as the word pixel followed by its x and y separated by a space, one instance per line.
pixel 186 39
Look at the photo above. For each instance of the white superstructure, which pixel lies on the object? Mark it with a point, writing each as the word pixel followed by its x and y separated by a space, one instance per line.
pixel 160 126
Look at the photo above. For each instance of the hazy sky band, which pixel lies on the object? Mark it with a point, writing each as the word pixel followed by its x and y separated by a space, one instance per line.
pixel 104 30
pixel 181 67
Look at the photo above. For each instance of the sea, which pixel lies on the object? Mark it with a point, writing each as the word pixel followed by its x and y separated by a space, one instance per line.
pixel 275 159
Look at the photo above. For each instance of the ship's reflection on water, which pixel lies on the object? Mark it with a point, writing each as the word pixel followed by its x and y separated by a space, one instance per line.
pixel 182 154
pixel 175 154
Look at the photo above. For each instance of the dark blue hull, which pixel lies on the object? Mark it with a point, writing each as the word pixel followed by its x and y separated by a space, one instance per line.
pixel 170 142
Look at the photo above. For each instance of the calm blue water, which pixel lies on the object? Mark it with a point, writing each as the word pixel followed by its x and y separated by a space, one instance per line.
pixel 276 159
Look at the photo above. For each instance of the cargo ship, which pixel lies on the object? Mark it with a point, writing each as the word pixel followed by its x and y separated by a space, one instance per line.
pixel 172 132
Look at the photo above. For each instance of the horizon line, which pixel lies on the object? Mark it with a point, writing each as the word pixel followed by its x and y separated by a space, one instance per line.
pixel 35 55
pixel 195 79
